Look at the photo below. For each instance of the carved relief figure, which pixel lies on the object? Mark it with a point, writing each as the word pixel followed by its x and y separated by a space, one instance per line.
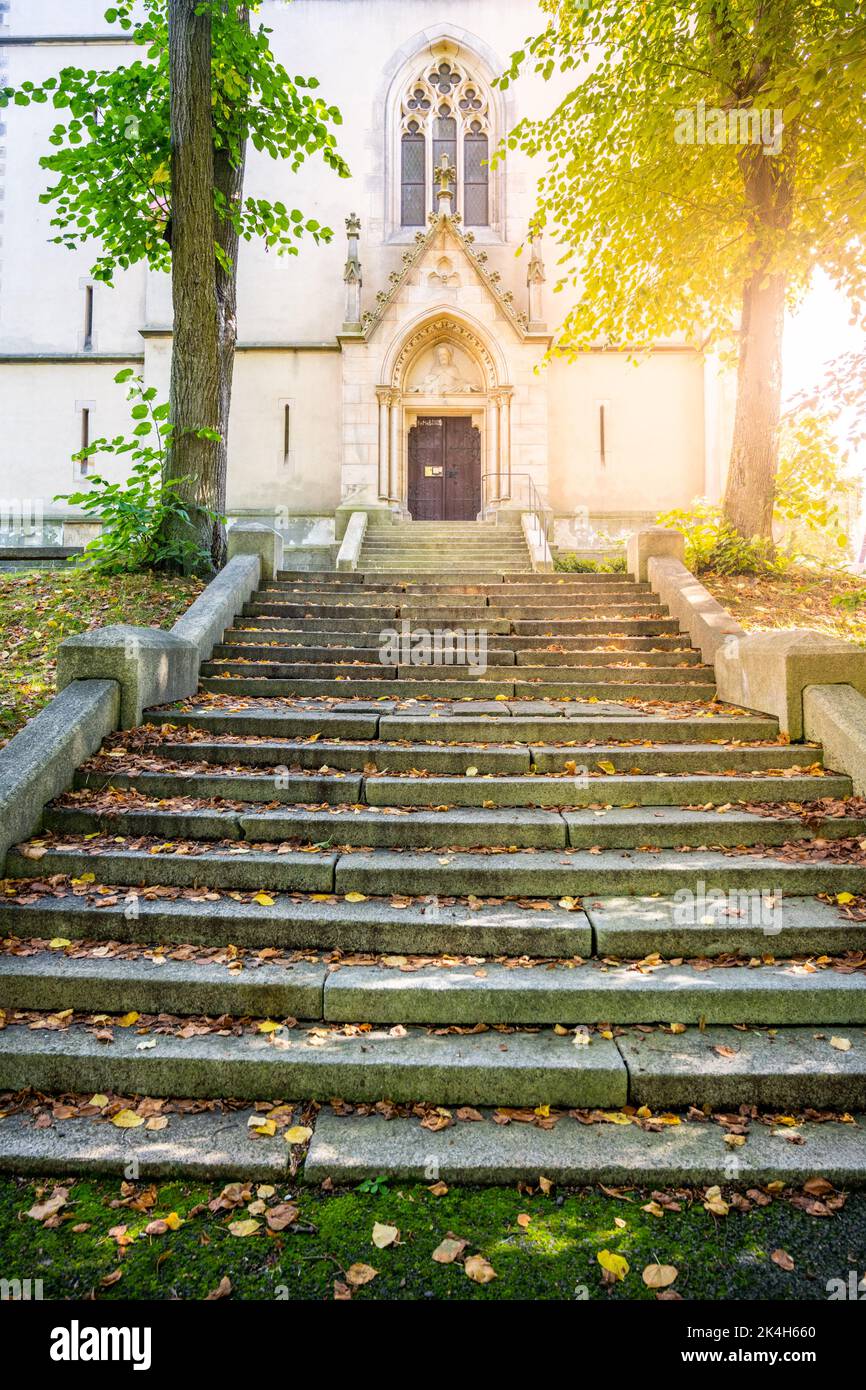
pixel 443 377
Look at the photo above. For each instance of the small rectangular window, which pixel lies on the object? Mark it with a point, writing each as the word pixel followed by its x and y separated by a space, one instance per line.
pixel 287 432
pixel 603 433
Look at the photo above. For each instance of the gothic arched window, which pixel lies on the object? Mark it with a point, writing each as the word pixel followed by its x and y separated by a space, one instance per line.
pixel 445 111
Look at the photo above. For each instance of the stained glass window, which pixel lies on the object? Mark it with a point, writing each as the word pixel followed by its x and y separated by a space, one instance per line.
pixel 412 177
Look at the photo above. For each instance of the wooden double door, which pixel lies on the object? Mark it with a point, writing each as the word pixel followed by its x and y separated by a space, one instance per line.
pixel 444 468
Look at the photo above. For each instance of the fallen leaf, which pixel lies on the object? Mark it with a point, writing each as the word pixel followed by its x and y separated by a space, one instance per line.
pixel 659 1276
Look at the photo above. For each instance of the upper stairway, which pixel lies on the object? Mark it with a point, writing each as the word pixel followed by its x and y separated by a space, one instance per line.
pixel 425 547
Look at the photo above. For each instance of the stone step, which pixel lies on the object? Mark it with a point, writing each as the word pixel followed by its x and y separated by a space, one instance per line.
pixel 471 829
pixel 485 1068
pixel 576 873
pixel 326 639
pixel 378 584
pixel 591 993
pixel 350 627
pixel 489 687
pixel 354 1148
pixel 212 1146
pixel 643 789
pixel 324 922
pixel 295 723
pixel 294 872
pixel 679 757
pixel 344 756
pixel 674 672
pixel 706 925
pixel 556 629
pixel 790 1068
pixel 577 726
pixel 348 656
pixel 579 995
pixel 354 578
pixel 52 981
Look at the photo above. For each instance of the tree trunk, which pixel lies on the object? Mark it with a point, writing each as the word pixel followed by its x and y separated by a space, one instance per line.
pixel 755 447
pixel 229 182
pixel 196 360
pixel 767 188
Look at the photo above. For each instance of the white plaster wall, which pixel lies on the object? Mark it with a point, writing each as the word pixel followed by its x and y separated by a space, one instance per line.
pixel 41 427
pixel 654 432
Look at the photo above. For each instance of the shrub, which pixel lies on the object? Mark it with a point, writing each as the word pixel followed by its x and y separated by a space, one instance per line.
pixel 576 564
pixel 134 513
pixel 714 544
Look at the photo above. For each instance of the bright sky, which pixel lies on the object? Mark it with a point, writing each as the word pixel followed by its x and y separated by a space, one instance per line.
pixel 818 332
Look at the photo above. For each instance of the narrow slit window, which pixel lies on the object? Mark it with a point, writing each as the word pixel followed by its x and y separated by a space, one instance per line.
pixel 85 439
pixel 602 432
pixel 88 318
pixel 287 433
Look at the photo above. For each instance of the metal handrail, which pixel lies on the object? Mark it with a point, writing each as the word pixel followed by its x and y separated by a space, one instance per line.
pixel 541 512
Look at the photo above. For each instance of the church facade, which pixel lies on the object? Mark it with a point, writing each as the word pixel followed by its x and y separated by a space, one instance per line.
pixel 403 366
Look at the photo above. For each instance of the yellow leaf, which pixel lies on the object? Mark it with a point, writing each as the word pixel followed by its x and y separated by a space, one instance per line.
pixel 844 898
pixel 841 1044
pixel 263 899
pixel 267 1025
pixel 384 1235
pixel 298 1134
pixel 127 1020
pixel 613 1264
pixel 59 943
pixel 356 897
pixel 606 767
pixel 360 1274
pixel 173 1221
pixel 99 1100
pixel 472 772
pixel 127 1119
pixel 85 878
pixel 659 1276
pixel 244 1228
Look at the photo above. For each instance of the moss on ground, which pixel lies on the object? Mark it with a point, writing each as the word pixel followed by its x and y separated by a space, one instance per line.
pixel 38 608
pixel 554 1257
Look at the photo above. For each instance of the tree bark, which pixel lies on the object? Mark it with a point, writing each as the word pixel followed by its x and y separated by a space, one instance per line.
pixel 229 182
pixel 751 481
pixel 768 188
pixel 196 396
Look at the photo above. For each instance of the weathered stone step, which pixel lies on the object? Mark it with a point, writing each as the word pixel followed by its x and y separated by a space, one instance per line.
pixel 680 757
pixel 576 726
pixel 384 584
pixel 591 994
pixel 577 873
pixel 469 828
pixel 485 1068
pixel 372 610
pixel 50 980
pixel 672 671
pixel 415 927
pixel 791 1068
pixel 488 687
pixel 326 639
pixel 311 872
pixel 720 923
pixel 337 788
pixel 348 757
pixel 558 628
pixel 362 626
pixel 347 656
pixel 669 827
pixel 352 1148
pixel 285 723
pixel 211 1146
pixel 642 789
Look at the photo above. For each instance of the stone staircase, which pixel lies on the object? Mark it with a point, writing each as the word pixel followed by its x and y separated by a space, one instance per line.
pixel 569 881
pixel 481 549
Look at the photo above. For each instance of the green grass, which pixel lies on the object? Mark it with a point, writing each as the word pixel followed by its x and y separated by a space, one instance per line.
pixel 555 1257
pixel 38 608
